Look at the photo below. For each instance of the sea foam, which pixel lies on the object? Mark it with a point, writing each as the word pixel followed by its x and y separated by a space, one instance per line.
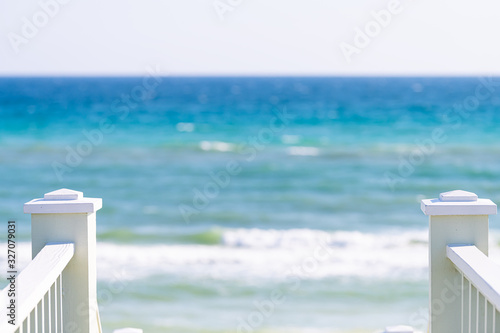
pixel 263 255
pixel 258 254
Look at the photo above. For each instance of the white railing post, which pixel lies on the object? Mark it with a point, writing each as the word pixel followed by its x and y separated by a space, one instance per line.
pixel 457 217
pixel 66 216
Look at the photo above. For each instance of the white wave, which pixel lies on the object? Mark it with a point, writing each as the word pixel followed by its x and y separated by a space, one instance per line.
pixel 255 254
pixel 250 254
pixel 259 238
pixel 302 151
pixel 217 146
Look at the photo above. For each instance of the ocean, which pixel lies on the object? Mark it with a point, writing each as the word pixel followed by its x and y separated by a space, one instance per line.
pixel 263 205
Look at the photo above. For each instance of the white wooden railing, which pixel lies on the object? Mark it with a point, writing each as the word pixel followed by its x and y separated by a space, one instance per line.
pixel 464 295
pixel 480 289
pixel 57 290
pixel 39 299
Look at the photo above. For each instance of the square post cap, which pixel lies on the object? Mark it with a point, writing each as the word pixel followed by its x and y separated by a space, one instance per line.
pixel 63 201
pixel 458 203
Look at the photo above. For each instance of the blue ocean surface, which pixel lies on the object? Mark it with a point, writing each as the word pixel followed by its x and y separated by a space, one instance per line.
pixel 253 204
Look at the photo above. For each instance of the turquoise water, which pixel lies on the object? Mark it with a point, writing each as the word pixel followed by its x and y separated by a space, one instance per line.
pixel 253 204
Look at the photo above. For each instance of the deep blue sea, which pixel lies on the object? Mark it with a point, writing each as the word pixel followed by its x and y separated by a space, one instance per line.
pixel 264 205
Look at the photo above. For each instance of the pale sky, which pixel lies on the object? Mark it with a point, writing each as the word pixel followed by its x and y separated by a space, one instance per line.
pixel 249 37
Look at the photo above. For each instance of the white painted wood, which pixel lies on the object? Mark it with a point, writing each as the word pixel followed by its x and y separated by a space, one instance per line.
pixel 36 280
pixel 452 222
pixel 477 268
pixel 458 195
pixel 71 220
pixel 445 303
pixel 63 201
pixel 63 194
pixel 438 207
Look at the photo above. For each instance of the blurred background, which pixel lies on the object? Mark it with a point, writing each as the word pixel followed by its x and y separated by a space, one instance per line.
pixel 245 149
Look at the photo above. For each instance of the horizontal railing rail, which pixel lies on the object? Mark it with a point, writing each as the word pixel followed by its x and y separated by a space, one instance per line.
pixel 38 295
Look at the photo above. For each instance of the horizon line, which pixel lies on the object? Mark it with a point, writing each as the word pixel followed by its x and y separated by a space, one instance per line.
pixel 47 76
